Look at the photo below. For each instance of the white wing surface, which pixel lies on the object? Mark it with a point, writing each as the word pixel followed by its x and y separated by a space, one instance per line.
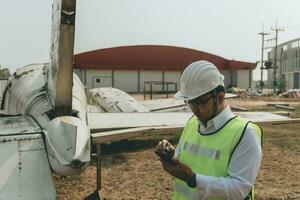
pixel 107 127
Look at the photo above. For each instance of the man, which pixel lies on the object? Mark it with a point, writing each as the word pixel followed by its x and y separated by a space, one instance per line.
pixel 219 154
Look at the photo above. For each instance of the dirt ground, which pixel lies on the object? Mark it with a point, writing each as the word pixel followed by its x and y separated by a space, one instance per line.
pixel 130 169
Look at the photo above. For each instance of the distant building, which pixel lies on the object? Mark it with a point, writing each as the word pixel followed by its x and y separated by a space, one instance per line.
pixel 288 65
pixel 129 67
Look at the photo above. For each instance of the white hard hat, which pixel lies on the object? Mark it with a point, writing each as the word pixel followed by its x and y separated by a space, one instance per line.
pixel 199 78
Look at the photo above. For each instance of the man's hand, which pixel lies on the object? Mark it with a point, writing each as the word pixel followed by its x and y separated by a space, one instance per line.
pixel 166 152
pixel 178 170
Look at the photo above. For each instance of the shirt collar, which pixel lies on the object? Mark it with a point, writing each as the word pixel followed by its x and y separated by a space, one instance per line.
pixel 217 122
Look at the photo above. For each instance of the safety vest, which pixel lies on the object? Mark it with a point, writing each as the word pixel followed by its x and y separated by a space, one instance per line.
pixel 209 154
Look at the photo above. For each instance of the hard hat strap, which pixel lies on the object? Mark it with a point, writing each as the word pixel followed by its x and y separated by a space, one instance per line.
pixel 215 108
pixel 215 104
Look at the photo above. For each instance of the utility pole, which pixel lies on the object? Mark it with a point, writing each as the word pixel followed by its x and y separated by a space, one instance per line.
pixel 281 80
pixel 276 29
pixel 262 33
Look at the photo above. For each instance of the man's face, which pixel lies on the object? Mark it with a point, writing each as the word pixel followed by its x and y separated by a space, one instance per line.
pixel 202 107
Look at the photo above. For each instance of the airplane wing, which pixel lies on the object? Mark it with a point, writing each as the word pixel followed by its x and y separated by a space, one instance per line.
pixel 121 116
pixel 125 125
pixel 163 104
pixel 98 121
pixel 24 167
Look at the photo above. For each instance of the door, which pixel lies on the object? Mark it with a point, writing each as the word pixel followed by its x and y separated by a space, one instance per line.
pixel 296 80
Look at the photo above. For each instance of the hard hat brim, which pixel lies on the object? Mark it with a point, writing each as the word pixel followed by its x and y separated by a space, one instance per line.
pixel 181 96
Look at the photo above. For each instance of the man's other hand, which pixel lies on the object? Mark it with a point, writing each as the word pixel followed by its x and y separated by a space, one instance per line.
pixel 178 170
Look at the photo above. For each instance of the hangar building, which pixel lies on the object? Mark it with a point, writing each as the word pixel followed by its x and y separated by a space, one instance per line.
pixel 129 67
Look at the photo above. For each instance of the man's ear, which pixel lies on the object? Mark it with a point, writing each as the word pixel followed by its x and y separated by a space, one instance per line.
pixel 221 97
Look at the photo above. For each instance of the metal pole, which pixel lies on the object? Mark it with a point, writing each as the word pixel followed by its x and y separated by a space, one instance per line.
pixel 167 90
pixel 275 63
pixel 280 72
pixel 150 90
pixel 262 33
pixel 98 167
pixel 144 90
pixel 262 57
pixel 275 57
pixel 163 81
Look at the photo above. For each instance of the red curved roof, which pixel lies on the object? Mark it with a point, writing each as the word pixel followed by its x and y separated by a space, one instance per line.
pixel 151 57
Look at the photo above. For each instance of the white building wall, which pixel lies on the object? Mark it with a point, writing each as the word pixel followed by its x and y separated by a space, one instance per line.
pixel 98 78
pixel 150 76
pixel 243 79
pixel 126 80
pixel 173 76
pixel 129 80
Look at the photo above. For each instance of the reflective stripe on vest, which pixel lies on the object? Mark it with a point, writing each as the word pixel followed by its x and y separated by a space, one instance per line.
pixel 198 149
pixel 187 193
pixel 209 154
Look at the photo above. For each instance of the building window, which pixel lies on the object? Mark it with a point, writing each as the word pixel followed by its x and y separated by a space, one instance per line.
pixel 295 44
pixel 284 55
pixel 98 80
pixel 284 65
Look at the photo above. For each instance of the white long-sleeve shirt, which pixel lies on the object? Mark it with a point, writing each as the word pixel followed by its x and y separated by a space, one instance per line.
pixel 243 166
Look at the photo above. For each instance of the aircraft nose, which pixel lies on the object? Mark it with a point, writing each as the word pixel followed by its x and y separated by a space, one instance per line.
pixel 76 164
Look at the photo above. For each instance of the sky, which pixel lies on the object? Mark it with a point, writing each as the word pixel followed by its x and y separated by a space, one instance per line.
pixel 228 28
